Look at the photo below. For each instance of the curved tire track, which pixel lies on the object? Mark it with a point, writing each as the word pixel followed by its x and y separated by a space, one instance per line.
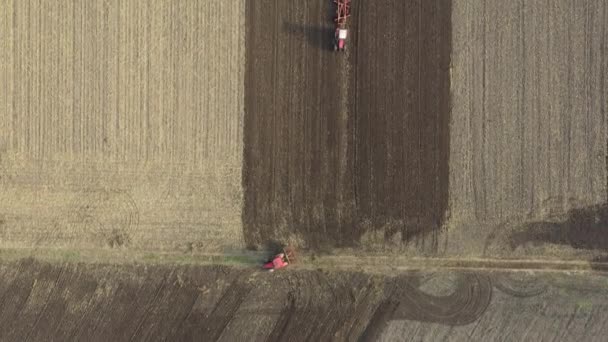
pixel 520 285
pixel 465 305
pixel 106 215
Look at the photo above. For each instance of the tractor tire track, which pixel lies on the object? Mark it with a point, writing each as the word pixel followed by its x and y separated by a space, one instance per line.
pixel 470 299
pixel 225 310
pixel 213 303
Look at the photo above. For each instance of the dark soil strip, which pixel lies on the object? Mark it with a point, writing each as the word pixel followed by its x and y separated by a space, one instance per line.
pixel 402 95
pixel 329 169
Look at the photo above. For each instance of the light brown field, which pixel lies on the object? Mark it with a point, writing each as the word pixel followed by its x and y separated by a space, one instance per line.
pixel 528 129
pixel 121 124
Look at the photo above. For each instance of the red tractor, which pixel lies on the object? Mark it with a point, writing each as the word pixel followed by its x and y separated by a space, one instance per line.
pixel 342 12
pixel 282 259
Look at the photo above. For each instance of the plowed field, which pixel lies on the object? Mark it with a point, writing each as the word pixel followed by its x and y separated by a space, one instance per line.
pixel 341 145
pixel 42 302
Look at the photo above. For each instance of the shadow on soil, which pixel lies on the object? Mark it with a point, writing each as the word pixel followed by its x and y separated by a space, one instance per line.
pixel 584 228
pixel 317 36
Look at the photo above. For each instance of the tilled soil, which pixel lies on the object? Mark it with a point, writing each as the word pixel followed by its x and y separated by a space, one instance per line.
pixel 497 106
pixel 341 144
pixel 40 301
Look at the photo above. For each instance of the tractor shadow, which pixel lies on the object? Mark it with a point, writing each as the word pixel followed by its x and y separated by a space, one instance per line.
pixel 273 247
pixel 316 36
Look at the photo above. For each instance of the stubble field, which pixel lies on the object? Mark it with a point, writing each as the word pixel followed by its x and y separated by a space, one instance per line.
pixel 121 124
pixel 528 134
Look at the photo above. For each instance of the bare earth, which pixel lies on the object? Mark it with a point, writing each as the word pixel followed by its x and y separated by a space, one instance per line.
pixel 474 131
pixel 40 301
pixel 351 150
pixel 341 146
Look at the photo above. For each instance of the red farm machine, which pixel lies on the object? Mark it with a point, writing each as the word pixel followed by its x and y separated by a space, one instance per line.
pixel 342 13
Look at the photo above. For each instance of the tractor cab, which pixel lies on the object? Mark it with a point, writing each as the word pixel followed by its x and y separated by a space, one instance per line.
pixel 340 39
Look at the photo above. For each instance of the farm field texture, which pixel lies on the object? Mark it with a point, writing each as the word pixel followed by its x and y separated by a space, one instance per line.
pixel 469 129
pixel 65 301
pixel 528 133
pixel 121 124
pixel 453 160
pixel 341 146
pixel 112 138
